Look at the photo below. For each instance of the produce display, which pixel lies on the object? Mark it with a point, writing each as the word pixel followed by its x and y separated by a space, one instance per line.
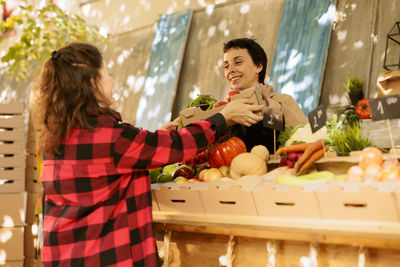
pixel 373 167
pixel 299 152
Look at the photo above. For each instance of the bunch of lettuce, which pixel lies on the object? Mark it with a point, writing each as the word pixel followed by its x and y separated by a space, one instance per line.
pixel 205 102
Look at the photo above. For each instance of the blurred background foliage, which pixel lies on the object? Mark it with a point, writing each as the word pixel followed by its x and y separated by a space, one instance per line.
pixel 40 31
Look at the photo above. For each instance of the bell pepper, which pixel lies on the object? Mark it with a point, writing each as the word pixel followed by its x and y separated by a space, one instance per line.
pixel 219 103
pixel 363 109
pixel 231 93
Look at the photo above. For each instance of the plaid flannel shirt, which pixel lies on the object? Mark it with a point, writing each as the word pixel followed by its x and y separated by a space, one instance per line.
pixel 98 194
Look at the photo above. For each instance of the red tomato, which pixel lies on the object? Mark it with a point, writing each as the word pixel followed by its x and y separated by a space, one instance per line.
pixel 363 109
pixel 231 93
pixel 223 154
pixel 219 103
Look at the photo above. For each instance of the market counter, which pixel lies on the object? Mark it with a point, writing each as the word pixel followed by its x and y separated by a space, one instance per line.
pixel 353 233
pixel 200 240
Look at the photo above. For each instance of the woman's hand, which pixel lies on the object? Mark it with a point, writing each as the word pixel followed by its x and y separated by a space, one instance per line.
pixel 241 111
pixel 172 125
pixel 272 104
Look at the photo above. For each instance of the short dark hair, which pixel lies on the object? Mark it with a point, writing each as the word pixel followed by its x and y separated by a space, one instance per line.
pixel 256 52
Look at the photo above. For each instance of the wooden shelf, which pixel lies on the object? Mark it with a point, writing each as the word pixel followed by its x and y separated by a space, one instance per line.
pixel 353 233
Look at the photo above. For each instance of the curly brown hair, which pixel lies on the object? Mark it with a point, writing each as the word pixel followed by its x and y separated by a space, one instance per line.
pixel 67 94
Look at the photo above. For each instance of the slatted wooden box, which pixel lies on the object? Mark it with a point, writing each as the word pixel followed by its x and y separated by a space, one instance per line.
pixel 231 197
pixel 13 209
pixel 154 203
pixel 373 201
pixel 185 198
pixel 32 183
pixel 12 148
pixel 274 200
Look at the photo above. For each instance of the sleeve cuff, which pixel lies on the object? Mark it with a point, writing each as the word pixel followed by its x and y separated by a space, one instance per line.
pixel 220 124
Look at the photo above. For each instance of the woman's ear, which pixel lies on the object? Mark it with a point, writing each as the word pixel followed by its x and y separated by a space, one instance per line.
pixel 259 68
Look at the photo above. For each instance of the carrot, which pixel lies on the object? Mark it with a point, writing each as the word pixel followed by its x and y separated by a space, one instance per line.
pixel 313 147
pixel 292 148
pixel 312 159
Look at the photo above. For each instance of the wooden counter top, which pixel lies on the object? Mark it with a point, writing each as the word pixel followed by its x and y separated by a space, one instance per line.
pixel 353 233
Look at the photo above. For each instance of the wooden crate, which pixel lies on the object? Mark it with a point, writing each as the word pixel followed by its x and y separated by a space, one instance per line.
pixel 12 264
pixel 183 198
pixel 13 210
pixel 12 147
pixel 231 197
pixel 274 200
pixel 354 201
pixel 12 244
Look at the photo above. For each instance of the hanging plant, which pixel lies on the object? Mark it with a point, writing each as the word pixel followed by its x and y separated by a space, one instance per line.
pixel 41 31
pixel 354 87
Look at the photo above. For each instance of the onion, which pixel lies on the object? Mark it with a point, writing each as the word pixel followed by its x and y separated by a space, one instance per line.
pixel 372 172
pixel 391 163
pixel 390 174
pixel 369 156
pixel 355 174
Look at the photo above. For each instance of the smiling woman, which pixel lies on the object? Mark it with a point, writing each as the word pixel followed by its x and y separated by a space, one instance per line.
pixel 245 64
pixel 240 70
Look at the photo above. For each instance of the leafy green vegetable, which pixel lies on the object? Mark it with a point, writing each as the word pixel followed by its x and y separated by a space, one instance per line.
pixel 345 136
pixel 349 116
pixel 206 102
pixel 286 134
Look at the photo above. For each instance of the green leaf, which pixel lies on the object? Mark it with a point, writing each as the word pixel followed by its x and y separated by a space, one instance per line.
pixel 42 32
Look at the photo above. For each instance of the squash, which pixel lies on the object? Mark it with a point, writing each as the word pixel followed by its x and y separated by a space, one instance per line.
pixel 262 151
pixel 248 164
pixel 223 154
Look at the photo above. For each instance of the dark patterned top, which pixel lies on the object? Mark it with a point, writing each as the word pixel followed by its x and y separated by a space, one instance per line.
pixel 98 194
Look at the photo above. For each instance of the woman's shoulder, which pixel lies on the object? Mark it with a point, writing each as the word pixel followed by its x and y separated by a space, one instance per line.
pixel 107 118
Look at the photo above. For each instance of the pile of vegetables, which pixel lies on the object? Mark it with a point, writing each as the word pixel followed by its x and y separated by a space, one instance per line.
pixel 302 156
pixel 372 167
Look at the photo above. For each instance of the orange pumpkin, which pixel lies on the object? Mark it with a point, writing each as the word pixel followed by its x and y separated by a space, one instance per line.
pixel 223 154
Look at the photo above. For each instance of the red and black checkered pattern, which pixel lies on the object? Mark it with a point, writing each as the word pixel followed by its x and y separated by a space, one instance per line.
pixel 98 193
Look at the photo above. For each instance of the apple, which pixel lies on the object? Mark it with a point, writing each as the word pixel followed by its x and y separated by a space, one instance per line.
pixel 199 168
pixel 154 173
pixel 183 170
pixel 164 178
pixel 225 171
pixel 211 175
pixel 169 169
pixel 180 180
pixel 202 173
